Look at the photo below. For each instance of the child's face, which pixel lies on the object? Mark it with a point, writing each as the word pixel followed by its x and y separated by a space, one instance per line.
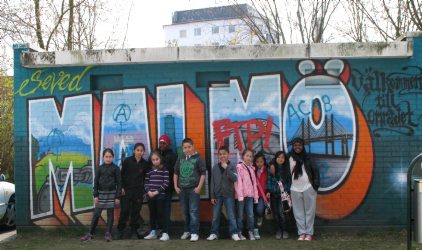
pixel 139 152
pixel 247 158
pixel 188 148
pixel 155 160
pixel 280 159
pixel 108 158
pixel 223 155
pixel 260 162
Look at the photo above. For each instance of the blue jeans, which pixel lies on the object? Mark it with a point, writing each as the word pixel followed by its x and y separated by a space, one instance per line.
pixel 259 208
pixel 167 208
pixel 189 201
pixel 216 214
pixel 246 204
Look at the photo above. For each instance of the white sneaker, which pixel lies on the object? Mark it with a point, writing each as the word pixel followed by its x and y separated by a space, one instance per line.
pixel 256 234
pixel 241 237
pixel 152 235
pixel 165 237
pixel 259 221
pixel 185 236
pixel 235 237
pixel 194 237
pixel 212 237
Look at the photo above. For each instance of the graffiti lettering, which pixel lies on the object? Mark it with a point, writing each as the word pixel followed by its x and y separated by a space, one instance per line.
pixel 392 111
pixel 49 82
pixel 255 129
pixel 301 110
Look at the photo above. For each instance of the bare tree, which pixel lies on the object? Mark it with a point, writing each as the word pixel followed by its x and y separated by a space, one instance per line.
pixel 389 18
pixel 272 21
pixel 57 24
pixel 415 10
pixel 354 26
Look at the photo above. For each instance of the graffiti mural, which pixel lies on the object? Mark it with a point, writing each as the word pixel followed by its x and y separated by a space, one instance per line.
pixel 250 118
pixel 341 109
pixel 61 154
pixel 125 122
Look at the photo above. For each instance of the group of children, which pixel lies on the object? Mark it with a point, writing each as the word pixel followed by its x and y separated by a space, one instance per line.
pixel 249 187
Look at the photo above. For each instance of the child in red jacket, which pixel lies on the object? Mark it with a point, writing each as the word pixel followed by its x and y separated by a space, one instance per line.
pixel 261 179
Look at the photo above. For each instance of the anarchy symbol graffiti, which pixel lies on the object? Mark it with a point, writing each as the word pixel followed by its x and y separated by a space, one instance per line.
pixel 121 113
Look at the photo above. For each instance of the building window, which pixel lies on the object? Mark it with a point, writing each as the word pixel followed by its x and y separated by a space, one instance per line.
pixel 197 31
pixel 232 28
pixel 215 30
pixel 182 33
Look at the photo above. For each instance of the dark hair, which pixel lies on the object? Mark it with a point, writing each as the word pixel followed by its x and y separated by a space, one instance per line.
pixel 277 154
pixel 259 155
pixel 225 148
pixel 245 151
pixel 158 154
pixel 108 150
pixel 139 144
pixel 187 140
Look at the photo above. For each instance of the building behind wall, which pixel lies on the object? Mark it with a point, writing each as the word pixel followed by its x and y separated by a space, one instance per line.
pixel 357 106
pixel 212 26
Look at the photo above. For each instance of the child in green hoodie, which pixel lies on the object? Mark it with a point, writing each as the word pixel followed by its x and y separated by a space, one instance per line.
pixel 189 177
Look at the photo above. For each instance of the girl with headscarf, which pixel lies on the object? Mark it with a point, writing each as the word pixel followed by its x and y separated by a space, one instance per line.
pixel 305 184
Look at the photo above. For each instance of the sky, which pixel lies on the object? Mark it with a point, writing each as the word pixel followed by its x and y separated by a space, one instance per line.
pixel 148 17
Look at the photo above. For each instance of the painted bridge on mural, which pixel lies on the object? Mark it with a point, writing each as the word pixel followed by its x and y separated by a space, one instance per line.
pixel 356 105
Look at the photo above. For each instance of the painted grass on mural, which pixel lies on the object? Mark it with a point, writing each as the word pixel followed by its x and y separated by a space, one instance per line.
pixel 324 239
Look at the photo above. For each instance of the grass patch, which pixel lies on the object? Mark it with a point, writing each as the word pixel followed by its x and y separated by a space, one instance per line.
pixel 324 239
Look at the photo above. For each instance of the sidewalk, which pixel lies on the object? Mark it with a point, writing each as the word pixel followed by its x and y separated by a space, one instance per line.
pixel 4 237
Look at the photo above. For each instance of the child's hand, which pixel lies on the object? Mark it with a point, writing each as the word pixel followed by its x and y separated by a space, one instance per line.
pixel 123 192
pixel 213 201
pixel 116 202
pixel 268 195
pixel 151 194
pixel 197 190
pixel 177 189
pixel 255 200
pixel 96 201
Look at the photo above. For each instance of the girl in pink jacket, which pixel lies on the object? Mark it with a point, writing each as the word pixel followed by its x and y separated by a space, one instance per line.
pixel 246 193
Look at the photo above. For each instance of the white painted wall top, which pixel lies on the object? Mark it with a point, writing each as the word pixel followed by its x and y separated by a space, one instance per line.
pixel 399 49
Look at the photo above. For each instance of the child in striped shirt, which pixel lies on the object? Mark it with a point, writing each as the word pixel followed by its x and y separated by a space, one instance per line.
pixel 156 183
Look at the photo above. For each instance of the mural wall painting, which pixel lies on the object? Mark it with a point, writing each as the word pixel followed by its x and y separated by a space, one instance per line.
pixel 65 142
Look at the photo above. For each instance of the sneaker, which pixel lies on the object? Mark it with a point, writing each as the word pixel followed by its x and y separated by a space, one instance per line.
pixel 278 235
pixel 86 237
pixel 194 237
pixel 308 237
pixel 152 235
pixel 241 237
pixel 212 237
pixel 301 237
pixel 259 221
pixel 164 237
pixel 185 236
pixel 251 235
pixel 285 235
pixel 107 237
pixel 256 234
pixel 236 237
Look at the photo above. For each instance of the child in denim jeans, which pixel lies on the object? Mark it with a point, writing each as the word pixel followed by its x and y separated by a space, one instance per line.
pixel 223 177
pixel 189 177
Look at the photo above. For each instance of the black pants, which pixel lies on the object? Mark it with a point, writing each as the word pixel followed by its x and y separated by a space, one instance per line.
pixel 278 213
pixel 96 217
pixel 130 204
pixel 156 215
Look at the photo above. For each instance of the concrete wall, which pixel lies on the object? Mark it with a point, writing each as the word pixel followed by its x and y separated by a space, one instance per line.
pixel 358 106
